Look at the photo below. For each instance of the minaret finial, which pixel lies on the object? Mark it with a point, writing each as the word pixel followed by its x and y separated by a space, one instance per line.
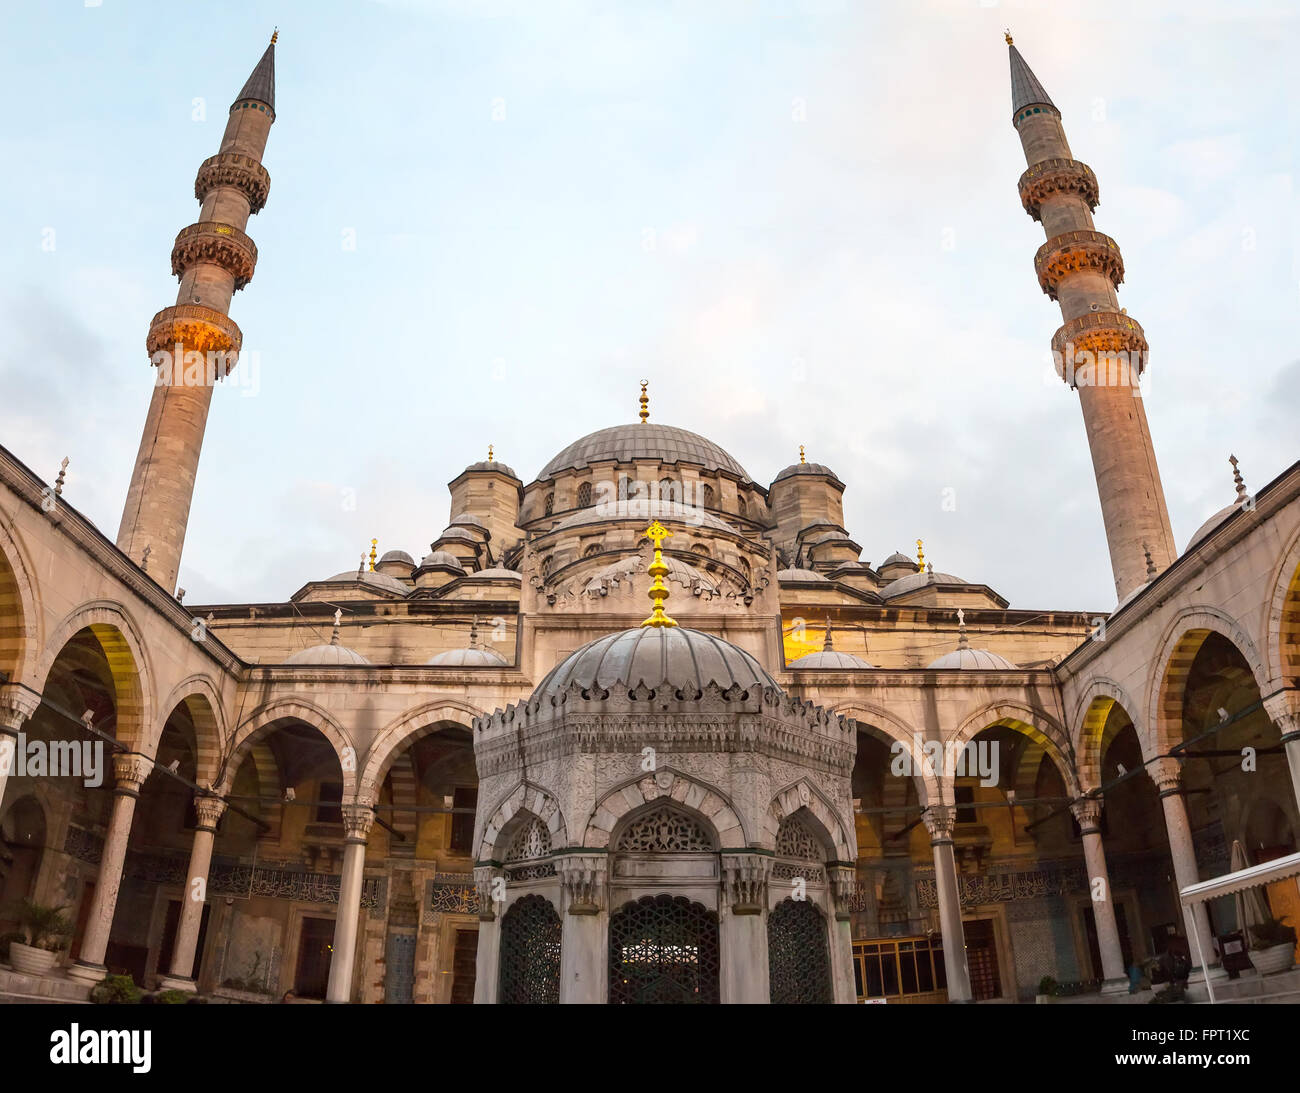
pixel 473 632
pixel 801 455
pixel 828 646
pixel 920 555
pixel 1238 480
pixel 274 35
pixel 658 592
pixel 338 618
pixel 1007 36
pixel 63 473
pixel 1151 565
pixel 374 543
pixel 490 458
pixel 963 642
pixel 645 401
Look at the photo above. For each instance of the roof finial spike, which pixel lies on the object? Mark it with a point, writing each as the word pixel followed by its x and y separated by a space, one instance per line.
pixel 645 401
pixel 801 455
pixel 362 567
pixel 828 645
pixel 920 555
pixel 63 473
pixel 1007 35
pixel 373 544
pixel 490 459
pixel 1151 565
pixel 274 35
pixel 1238 480
pixel 338 618
pixel 963 642
pixel 658 591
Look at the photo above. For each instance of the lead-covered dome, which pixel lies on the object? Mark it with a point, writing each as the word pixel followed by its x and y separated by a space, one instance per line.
pixel 476 657
pixel 968 659
pixel 658 656
pixel 644 440
pixel 328 655
pixel 830 659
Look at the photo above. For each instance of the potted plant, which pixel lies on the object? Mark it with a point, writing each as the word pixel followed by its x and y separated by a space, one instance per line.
pixel 1274 946
pixel 1046 990
pixel 45 930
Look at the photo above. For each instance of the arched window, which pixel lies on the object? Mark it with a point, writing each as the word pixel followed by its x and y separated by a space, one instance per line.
pixel 669 490
pixel 550 503
pixel 584 495
pixel 798 954
pixel 741 507
pixel 706 497
pixel 663 949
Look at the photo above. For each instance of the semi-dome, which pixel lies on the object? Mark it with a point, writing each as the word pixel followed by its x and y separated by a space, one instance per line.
pixel 642 509
pixel 796 575
pixel 468 658
pixel 973 659
pixel 658 656
pixel 327 654
pixel 644 440
pixel 830 658
pixel 819 469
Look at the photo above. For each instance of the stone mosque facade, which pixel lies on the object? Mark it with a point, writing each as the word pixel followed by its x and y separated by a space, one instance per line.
pixel 638 728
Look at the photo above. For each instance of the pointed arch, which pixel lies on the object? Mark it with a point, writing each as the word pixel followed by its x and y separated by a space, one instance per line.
pixel 708 802
pixel 408 728
pixel 1281 635
pixel 525 801
pixel 262 720
pixel 878 722
pixel 20 614
pixel 1096 729
pixel 1045 734
pixel 803 797
pixel 199 696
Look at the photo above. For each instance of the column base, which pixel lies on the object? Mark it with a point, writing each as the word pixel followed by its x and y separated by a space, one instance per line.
pixel 1197 974
pixel 86 973
pixel 178 983
pixel 1115 986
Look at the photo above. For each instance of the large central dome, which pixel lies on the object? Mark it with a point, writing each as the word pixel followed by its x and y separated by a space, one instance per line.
pixel 644 440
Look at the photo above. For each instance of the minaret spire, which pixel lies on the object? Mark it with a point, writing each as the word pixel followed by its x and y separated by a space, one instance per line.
pixel 1099 350
pixel 194 344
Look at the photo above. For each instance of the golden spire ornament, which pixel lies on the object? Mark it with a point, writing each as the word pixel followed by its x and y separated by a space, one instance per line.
pixel 373 544
pixel 658 592
pixel 920 555
pixel 1007 36
pixel 274 35
pixel 490 459
pixel 801 455
pixel 645 401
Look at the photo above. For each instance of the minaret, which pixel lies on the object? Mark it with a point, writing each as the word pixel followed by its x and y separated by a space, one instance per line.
pixel 194 344
pixel 1099 350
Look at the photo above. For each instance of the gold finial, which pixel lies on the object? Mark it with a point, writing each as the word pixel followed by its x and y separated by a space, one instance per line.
pixel 801 455
pixel 490 459
pixel 373 543
pixel 1007 36
pixel 920 555
pixel 645 401
pixel 274 35
pixel 658 592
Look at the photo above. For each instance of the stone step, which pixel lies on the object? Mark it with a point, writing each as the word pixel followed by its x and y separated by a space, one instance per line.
pixel 50 988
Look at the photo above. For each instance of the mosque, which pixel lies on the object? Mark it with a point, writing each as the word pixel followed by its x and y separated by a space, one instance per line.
pixel 638 728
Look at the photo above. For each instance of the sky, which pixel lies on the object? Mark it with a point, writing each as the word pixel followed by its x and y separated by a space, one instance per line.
pixel 799 221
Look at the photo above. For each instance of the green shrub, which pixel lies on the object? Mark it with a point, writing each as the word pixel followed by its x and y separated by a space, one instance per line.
pixel 45 927
pixel 172 997
pixel 1047 985
pixel 116 990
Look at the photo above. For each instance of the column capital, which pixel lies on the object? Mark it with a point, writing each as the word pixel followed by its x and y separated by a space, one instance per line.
pixel 1283 708
pixel 583 877
pixel 209 810
pixel 130 769
pixel 939 820
pixel 17 704
pixel 844 886
pixel 490 881
pixel 358 818
pixel 744 881
pixel 1167 773
pixel 1087 813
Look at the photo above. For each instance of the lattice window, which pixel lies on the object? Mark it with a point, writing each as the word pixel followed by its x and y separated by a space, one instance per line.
pixel 664 830
pixel 584 495
pixel 663 949
pixel 798 954
pixel 706 497
pixel 795 840
pixel 550 503
pixel 530 953
pixel 532 841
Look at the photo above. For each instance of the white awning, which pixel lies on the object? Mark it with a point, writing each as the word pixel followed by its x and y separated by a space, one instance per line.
pixel 1257 875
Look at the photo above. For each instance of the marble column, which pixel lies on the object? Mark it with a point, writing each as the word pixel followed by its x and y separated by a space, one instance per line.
pixel 584 948
pixel 17 704
pixel 1167 773
pixel 939 820
pixel 181 977
pixel 1284 709
pixel 490 882
pixel 129 772
pixel 742 930
pixel 1088 814
pixel 844 884
pixel 357 821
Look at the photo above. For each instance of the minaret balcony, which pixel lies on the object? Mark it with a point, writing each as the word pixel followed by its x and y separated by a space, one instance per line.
pixel 196 328
pixel 1073 252
pixel 1054 178
pixel 1101 336
pixel 217 244
pixel 239 172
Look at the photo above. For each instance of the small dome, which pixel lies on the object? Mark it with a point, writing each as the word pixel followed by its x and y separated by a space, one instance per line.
pixel 468 658
pixel 444 559
pixel 1206 529
pixel 460 534
pixel 793 576
pixel 973 659
pixel 398 556
pixel 913 581
pixel 830 658
pixel 467 519
pixel 818 469
pixel 493 465
pixel 657 656
pixel 899 559
pixel 498 572
pixel 643 441
pixel 327 655
pixel 380 580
